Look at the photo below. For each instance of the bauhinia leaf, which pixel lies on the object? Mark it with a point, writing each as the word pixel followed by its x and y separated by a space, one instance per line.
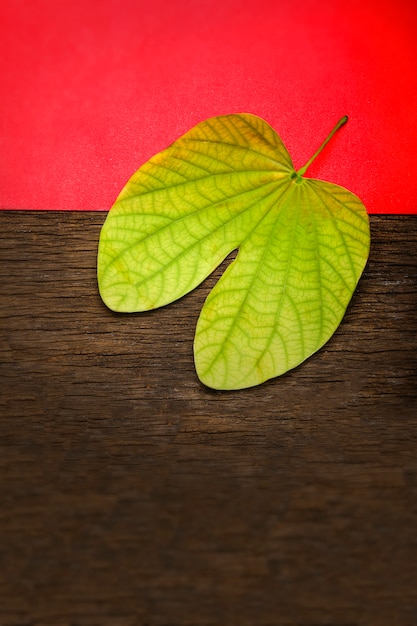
pixel 229 183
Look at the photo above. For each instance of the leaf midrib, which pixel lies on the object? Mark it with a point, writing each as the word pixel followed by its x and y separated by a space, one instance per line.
pixel 288 190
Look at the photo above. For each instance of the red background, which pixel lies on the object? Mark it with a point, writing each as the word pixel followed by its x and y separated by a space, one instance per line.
pixel 90 89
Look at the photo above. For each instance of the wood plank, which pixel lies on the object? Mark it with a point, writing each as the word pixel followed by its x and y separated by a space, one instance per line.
pixel 131 494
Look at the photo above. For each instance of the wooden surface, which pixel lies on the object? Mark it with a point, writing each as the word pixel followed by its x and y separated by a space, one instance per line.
pixel 130 494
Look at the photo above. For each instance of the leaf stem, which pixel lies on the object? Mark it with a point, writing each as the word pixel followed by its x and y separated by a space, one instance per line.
pixel 340 123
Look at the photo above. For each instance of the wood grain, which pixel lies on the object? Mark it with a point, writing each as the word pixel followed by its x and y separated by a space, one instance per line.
pixel 132 495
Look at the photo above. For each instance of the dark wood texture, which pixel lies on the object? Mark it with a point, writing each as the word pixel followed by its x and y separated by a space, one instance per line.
pixel 130 494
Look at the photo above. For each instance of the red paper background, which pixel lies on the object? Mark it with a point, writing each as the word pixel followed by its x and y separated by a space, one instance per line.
pixel 90 89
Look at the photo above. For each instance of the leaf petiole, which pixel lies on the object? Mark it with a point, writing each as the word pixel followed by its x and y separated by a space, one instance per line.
pixel 339 124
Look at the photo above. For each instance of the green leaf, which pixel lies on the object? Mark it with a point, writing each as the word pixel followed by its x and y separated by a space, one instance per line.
pixel 229 183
